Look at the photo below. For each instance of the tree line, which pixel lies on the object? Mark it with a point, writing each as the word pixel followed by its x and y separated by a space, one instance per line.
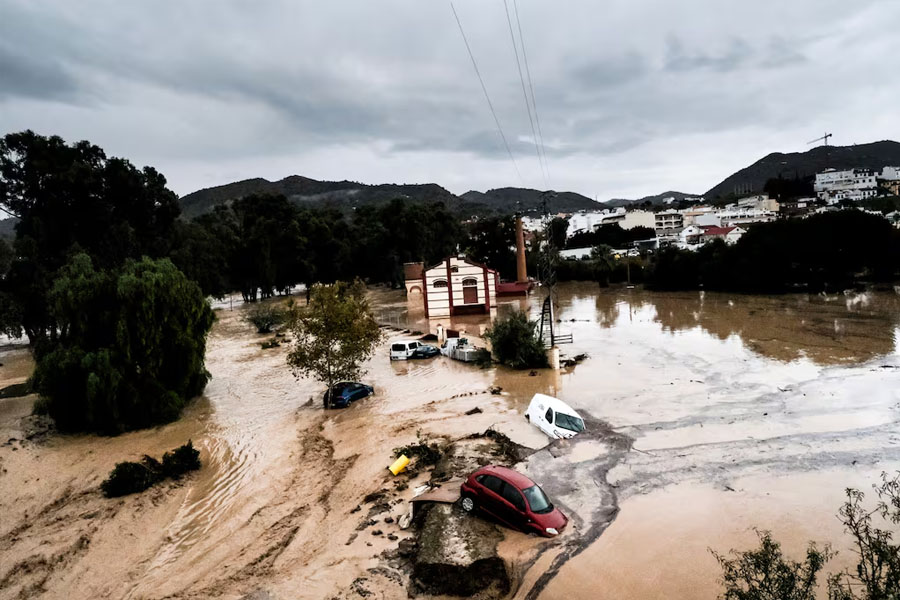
pixel 109 284
pixel 824 252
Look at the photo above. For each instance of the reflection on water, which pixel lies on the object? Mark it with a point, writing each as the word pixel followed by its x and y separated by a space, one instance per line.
pixel 826 329
pixel 837 329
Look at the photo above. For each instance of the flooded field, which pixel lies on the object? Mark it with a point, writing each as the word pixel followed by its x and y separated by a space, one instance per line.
pixel 714 414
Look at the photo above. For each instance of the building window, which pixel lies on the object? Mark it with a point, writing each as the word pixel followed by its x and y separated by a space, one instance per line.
pixel 440 283
pixel 454 269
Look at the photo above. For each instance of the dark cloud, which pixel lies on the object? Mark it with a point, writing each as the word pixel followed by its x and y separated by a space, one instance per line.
pixel 33 76
pixel 680 58
pixel 192 86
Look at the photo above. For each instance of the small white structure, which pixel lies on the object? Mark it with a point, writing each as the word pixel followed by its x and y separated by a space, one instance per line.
pixel 691 235
pixel 453 287
pixel 851 184
pixel 554 417
pixel 730 234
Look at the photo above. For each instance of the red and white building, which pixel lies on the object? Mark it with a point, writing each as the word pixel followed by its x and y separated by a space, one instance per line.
pixel 729 234
pixel 455 286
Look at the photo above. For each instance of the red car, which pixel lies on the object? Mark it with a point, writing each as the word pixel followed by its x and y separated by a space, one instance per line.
pixel 513 499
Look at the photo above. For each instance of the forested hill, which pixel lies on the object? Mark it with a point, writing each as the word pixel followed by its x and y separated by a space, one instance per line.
pixel 510 199
pixel 806 164
pixel 657 200
pixel 342 195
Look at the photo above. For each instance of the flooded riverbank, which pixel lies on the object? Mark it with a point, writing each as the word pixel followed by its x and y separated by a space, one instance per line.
pixel 738 411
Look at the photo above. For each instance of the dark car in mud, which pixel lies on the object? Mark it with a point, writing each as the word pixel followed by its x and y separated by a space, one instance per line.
pixel 512 499
pixel 345 392
pixel 425 351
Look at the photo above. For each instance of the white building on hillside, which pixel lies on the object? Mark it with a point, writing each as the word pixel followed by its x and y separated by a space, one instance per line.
pixel 584 221
pixel 668 222
pixel 638 218
pixel 851 184
pixel 890 174
pixel 745 216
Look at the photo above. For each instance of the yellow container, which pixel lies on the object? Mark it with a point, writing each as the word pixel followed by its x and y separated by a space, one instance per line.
pixel 399 465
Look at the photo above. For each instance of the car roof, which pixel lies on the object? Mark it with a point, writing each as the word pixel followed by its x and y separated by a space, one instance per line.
pixel 555 403
pixel 514 477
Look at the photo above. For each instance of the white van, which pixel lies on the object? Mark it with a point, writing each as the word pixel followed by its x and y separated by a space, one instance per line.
pixel 554 417
pixel 403 349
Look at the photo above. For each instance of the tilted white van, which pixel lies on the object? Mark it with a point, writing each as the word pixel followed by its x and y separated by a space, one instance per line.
pixel 554 417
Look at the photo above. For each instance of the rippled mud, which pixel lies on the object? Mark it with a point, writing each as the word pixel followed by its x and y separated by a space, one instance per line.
pixel 709 414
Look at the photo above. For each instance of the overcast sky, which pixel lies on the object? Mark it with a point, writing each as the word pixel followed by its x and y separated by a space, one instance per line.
pixel 634 97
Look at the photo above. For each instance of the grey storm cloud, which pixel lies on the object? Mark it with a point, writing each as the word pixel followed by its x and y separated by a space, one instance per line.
pixel 193 86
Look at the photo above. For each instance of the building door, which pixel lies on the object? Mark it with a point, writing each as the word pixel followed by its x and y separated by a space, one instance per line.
pixel 470 291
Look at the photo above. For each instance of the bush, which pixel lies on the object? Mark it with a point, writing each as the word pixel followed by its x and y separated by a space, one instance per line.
pixel 515 343
pixel 179 461
pixel 133 477
pixel 130 346
pixel 765 574
pixel 265 317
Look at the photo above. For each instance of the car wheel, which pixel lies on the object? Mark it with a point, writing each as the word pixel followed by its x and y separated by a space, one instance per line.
pixel 467 503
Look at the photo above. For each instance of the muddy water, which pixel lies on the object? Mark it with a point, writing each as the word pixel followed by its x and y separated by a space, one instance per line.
pixel 729 411
pixel 744 411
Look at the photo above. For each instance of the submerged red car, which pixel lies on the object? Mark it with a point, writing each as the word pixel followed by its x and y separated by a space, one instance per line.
pixel 513 499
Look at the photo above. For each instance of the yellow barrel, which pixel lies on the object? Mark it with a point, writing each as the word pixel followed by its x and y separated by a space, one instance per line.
pixel 399 465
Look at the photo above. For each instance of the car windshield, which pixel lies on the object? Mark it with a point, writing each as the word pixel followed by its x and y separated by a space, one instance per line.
pixel 537 499
pixel 398 347
pixel 570 422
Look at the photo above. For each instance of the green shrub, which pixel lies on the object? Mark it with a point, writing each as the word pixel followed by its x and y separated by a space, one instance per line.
pixel 133 477
pixel 130 349
pixel 179 461
pixel 515 343
pixel 265 317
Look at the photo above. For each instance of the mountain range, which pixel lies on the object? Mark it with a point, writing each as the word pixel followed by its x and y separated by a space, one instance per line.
pixel 345 195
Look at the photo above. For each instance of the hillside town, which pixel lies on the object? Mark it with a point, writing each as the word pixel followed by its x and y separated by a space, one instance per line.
pixel 698 222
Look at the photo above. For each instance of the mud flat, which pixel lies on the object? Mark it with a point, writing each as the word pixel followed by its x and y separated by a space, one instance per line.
pixel 710 415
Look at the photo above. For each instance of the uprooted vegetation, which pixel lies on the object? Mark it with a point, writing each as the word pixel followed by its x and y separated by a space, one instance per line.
pixel 424 452
pixel 456 553
pixel 133 477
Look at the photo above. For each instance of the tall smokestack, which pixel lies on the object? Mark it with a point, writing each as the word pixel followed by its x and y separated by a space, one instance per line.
pixel 521 269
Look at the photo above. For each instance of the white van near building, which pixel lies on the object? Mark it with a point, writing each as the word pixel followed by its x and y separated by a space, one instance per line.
pixel 403 349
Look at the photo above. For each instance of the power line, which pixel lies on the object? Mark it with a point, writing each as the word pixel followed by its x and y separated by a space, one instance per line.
pixel 531 86
pixel 486 95
pixel 534 137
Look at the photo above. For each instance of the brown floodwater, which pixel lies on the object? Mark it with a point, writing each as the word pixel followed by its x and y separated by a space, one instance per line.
pixel 738 411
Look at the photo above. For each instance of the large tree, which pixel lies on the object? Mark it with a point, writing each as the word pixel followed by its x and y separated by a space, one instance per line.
pixel 130 346
pixel 70 199
pixel 334 334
